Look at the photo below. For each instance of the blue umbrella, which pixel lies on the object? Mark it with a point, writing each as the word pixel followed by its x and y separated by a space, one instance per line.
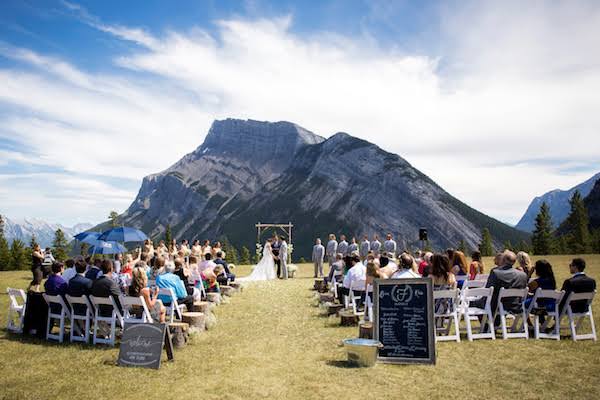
pixel 123 235
pixel 102 247
pixel 87 237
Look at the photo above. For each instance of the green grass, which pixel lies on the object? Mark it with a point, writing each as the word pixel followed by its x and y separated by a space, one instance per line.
pixel 271 342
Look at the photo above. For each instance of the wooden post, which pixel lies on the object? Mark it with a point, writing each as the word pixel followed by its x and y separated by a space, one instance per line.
pixel 365 330
pixel 334 308
pixel 326 297
pixel 348 318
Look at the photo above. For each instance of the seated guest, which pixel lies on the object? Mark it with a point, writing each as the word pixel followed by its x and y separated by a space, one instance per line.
pixel 371 274
pixel 498 260
pixel 442 277
pixel 206 264
pixel 184 273
pixel 425 264
pixel 387 267
pixel 578 283
pixel 118 263
pixel 545 280
pixel 356 274
pixel 476 267
pixel 169 280
pixel 509 278
pixel 159 266
pixel 139 288
pixel 105 286
pixel 336 269
pixel 55 285
pixel 79 285
pixel 94 272
pixel 69 270
pixel 211 285
pixel 226 275
pixel 460 268
pixel 407 268
pixel 524 262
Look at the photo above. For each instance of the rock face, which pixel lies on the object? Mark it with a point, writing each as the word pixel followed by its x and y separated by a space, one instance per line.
pixel 44 232
pixel 558 201
pixel 251 171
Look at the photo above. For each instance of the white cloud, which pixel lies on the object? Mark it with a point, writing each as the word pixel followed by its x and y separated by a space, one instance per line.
pixel 513 83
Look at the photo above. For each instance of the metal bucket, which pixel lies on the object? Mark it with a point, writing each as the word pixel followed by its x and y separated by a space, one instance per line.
pixel 362 352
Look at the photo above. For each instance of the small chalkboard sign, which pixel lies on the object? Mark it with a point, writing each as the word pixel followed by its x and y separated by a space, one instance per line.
pixel 404 323
pixel 142 345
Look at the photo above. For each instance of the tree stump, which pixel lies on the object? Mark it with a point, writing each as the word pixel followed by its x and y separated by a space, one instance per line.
pixel 202 306
pixel 237 286
pixel 214 298
pixel 195 320
pixel 179 334
pixel 365 330
pixel 320 285
pixel 333 308
pixel 227 290
pixel 348 318
pixel 326 297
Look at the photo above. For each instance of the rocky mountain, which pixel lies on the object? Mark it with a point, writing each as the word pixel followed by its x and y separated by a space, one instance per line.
pixel 251 171
pixel 24 229
pixel 592 204
pixel 558 201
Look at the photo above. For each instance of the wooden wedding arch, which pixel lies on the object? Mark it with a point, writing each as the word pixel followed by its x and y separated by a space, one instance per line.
pixel 287 228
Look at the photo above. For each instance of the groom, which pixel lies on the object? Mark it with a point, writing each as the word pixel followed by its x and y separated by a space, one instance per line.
pixel 283 254
pixel 275 249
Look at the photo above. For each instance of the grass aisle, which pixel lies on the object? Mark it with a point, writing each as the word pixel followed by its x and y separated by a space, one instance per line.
pixel 271 342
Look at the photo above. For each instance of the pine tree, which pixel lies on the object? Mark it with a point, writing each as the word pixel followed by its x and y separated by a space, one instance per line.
pixel 83 249
pixel 61 246
pixel 524 246
pixel 18 255
pixel 485 247
pixel 302 260
pixel 33 242
pixel 232 255
pixel 577 226
pixel 4 249
pixel 542 238
pixel 245 256
pixel 114 218
pixel 462 246
pixel 508 246
pixel 168 235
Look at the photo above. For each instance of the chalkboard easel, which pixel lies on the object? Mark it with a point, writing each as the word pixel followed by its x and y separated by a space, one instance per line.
pixel 404 320
pixel 142 345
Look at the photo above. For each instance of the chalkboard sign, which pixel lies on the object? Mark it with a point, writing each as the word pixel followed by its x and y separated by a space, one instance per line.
pixel 404 324
pixel 142 344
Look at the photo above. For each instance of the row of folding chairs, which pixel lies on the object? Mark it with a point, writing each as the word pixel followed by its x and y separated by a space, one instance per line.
pixel 83 315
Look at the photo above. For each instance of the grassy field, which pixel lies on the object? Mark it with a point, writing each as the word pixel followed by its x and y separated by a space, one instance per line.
pixel 272 342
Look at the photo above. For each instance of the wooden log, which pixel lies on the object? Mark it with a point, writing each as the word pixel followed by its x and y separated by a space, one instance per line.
pixel 227 290
pixel 236 286
pixel 202 306
pixel 179 333
pixel 334 308
pixel 365 330
pixel 214 298
pixel 320 285
pixel 195 320
pixel 326 297
pixel 348 318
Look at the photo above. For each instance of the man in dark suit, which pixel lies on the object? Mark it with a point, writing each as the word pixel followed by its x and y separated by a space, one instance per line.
pixel 105 286
pixel 79 286
pixel 94 271
pixel 578 283
pixel 505 276
pixel 226 275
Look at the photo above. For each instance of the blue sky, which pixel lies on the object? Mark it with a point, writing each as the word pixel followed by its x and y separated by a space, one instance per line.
pixel 496 101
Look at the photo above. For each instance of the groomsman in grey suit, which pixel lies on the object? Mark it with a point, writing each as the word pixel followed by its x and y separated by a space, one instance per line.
pixel 317 258
pixel 365 247
pixel 343 245
pixel 332 248
pixel 376 245
pixel 390 245
pixel 353 247
pixel 283 255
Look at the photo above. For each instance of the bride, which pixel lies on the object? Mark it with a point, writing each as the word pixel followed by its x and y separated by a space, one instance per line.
pixel 265 269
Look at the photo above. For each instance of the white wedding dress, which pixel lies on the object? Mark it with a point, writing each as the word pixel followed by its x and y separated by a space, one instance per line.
pixel 265 269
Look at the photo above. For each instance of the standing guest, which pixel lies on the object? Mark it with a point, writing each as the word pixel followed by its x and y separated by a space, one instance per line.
pixel 218 247
pixel 130 262
pixel 69 272
pixel 332 249
pixel 148 247
pixel 48 261
pixel 459 267
pixel 169 280
pixel 95 271
pixel 173 249
pixel 476 267
pixel 318 254
pixel 139 288
pixel 343 246
pixel 509 278
pixel 425 264
pixel 578 283
pixel 37 259
pixel 524 262
pixel 196 249
pixel 407 269
pixel 105 286
pixel 118 263
pixel 390 246
pixel 185 248
pixel 365 247
pixel 206 247
pixel 163 250
pixel 545 280
pixel 418 256
pixel 336 269
pixel 355 275
pixel 376 246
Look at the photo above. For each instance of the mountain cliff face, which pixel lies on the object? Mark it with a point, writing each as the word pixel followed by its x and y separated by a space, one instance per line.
pixel 251 171
pixel 558 201
pixel 43 231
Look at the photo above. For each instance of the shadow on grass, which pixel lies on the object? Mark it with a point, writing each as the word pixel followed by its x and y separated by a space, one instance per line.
pixel 15 337
pixel 342 364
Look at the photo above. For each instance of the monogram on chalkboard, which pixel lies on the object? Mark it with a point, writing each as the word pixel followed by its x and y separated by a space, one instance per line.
pixel 402 294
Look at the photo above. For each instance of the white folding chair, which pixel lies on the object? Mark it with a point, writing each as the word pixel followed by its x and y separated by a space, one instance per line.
pixel 446 313
pixel 358 286
pixel 129 304
pixel 334 285
pixel 519 295
pixel 482 277
pixel 369 303
pixel 547 295
pixel 16 309
pixel 114 318
pixel 79 334
pixel 580 316
pixel 474 313
pixel 473 284
pixel 62 315
pixel 174 309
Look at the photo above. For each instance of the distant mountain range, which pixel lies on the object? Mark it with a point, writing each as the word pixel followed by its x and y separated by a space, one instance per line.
pixel 251 171
pixel 558 201
pixel 24 229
